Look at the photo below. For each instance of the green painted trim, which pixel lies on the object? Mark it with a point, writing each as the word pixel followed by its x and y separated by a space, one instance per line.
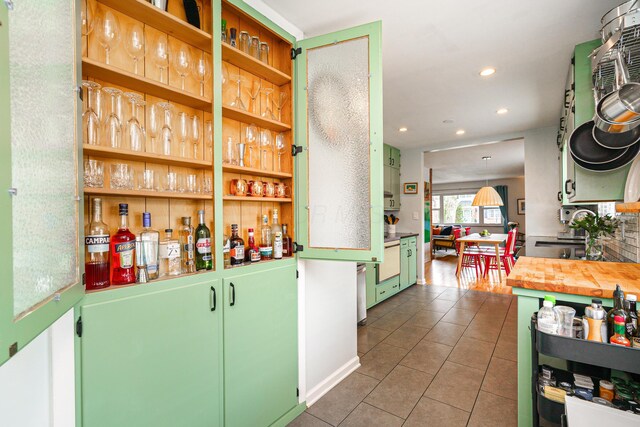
pixel 249 10
pixel 77 355
pixel 374 32
pixel 526 307
pixel 291 415
pixel 217 136
pixel 578 299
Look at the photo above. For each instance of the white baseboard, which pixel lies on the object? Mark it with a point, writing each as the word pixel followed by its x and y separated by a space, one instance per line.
pixel 332 380
pixel 421 282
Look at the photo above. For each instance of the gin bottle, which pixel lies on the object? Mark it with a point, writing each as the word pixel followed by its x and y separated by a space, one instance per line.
pixel 150 240
pixel 169 255
pixel 266 244
pixel 187 246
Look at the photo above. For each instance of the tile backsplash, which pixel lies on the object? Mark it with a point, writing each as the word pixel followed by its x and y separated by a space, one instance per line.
pixel 624 246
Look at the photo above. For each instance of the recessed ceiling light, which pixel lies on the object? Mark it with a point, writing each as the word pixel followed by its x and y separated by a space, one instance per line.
pixel 402 129
pixel 460 132
pixel 502 111
pixel 447 121
pixel 487 72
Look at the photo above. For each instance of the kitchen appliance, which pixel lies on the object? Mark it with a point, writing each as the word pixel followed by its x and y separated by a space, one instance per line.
pixel 361 286
pixel 391 265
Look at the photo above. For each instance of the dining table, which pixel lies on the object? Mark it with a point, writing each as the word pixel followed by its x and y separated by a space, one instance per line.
pixel 476 239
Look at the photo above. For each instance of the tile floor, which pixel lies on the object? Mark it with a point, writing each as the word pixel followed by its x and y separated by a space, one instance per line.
pixel 431 356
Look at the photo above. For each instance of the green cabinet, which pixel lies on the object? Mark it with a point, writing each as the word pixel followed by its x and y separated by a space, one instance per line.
pixel 394 154
pixel 260 346
pixel 412 261
pixel 392 194
pixel 152 358
pixel 404 258
pixel 386 152
pixel 378 292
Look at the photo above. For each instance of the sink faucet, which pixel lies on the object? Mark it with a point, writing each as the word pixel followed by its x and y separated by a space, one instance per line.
pixel 580 211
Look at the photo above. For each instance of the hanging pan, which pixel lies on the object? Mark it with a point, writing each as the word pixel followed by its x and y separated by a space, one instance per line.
pixel 619 111
pixel 620 162
pixel 615 141
pixel 584 147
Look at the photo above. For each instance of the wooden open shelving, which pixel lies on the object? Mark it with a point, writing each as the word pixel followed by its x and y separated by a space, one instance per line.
pixel 144 11
pixel 142 193
pixel 255 171
pixel 247 62
pixel 247 117
pixel 256 199
pixel 127 79
pixel 114 153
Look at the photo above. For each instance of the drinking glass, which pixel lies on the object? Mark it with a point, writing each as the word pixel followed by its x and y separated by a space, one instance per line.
pixel 254 93
pixel 208 136
pixel 184 128
pixel 237 102
pixel 134 44
pixel 153 125
pixel 229 155
pixel 121 178
pixel 133 130
pixel 170 182
pixel 281 147
pixel 241 151
pixel 166 134
pixel 182 62
pixel 195 135
pixel 87 16
pixel 93 173
pixel 268 113
pixel 280 102
pixel 181 184
pixel 203 70
pixel 108 32
pixel 266 142
pixel 264 52
pixel 251 137
pixel 146 180
pixel 160 57
pixel 112 124
pixel 191 184
pixel 245 41
pixel 254 47
pixel 207 187
pixel 90 116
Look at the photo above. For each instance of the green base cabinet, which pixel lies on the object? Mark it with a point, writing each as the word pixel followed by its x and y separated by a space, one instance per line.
pixel 378 292
pixel 152 358
pixel 412 260
pixel 260 346
pixel 404 263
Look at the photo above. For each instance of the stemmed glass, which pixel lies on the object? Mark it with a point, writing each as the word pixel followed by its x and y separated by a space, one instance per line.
pixel 280 102
pixel 153 126
pixel 90 117
pixel 251 135
pixel 195 134
pixel 266 141
pixel 203 70
pixel 237 103
pixel 108 32
pixel 208 135
pixel 184 127
pixel 87 16
pixel 268 113
pixel 166 134
pixel 134 44
pixel 134 131
pixel 112 124
pixel 281 146
pixel 182 62
pixel 254 92
pixel 161 55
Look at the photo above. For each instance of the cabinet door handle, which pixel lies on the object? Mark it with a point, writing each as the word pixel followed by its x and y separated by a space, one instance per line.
pixel 382 292
pixel 233 295
pixel 213 299
pixel 569 188
pixel 559 196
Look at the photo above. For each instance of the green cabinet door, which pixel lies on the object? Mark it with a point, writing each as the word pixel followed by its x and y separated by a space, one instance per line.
pixel 260 346
pixel 395 158
pixel 386 155
pixel 404 263
pixel 152 359
pixel 388 189
pixel 412 261
pixel 371 284
pixel 394 201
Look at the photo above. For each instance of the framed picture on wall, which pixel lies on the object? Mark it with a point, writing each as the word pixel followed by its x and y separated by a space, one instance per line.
pixel 521 206
pixel 410 188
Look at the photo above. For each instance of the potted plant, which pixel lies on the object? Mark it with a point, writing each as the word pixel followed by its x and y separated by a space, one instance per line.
pixel 596 227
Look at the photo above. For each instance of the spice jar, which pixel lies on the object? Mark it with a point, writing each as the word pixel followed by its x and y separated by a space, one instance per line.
pixel 606 390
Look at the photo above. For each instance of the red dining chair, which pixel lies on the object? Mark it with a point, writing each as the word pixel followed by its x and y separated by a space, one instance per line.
pixel 507 259
pixel 457 233
pixel 471 256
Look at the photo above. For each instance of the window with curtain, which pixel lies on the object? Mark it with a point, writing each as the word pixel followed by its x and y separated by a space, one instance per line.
pixel 448 209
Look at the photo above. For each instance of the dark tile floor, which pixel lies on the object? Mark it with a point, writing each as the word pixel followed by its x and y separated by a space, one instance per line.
pixel 431 356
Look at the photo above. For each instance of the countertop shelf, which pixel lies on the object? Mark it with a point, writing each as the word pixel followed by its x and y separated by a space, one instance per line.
pixel 628 207
pixel 255 171
pixel 109 73
pixel 141 193
pixel 247 117
pixel 159 19
pixel 249 63
pixel 114 153
pixel 256 199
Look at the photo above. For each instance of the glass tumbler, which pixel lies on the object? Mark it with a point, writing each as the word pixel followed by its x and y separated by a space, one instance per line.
pixel 566 319
pixel 229 156
pixel 264 52
pixel 191 184
pixel 93 173
pixel 171 182
pixel 254 47
pixel 121 176
pixel 146 180
pixel 245 42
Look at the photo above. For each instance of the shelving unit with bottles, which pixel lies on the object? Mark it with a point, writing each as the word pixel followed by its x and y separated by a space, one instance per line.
pixel 191 94
pixel 265 80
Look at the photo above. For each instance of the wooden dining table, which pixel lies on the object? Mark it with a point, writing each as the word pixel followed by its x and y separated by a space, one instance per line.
pixel 477 239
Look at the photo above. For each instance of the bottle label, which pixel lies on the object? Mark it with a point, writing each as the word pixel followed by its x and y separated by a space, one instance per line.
pixel 227 246
pixel 636 342
pixel 237 253
pixel 125 253
pixel 255 255
pixel 170 250
pixel 266 251
pixel 97 243
pixel 203 246
pixel 277 248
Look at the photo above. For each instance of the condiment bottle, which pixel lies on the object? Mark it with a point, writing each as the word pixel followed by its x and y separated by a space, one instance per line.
pixel 617 310
pixel 595 329
pixel 606 390
pixel 618 337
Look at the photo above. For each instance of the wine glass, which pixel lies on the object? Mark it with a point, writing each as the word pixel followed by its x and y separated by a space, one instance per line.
pixel 166 134
pixel 184 128
pixel 229 155
pixel 268 113
pixel 203 70
pixel 134 44
pixel 153 125
pixel 134 132
pixel 266 142
pixel 161 55
pixel 195 134
pixel 182 62
pixel 90 117
pixel 87 16
pixel 208 135
pixel 112 124
pixel 280 102
pixel 237 102
pixel 254 92
pixel 108 32
pixel 251 135
pixel 281 146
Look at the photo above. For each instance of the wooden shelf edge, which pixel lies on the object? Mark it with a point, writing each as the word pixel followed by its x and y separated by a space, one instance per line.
pixel 256 199
pixel 255 171
pixel 97 69
pixel 246 117
pixel 633 207
pixel 140 193
pixel 252 65
pixel 159 19
pixel 101 151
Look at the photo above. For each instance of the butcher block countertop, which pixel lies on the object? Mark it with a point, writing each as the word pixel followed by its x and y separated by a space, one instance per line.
pixel 566 276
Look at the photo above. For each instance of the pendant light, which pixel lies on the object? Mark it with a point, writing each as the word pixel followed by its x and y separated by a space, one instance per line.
pixel 487 196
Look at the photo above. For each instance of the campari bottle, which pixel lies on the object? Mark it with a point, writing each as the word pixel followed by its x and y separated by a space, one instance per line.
pixel 96 244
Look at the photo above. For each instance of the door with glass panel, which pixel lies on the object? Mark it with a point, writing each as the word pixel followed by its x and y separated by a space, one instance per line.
pixel 339 127
pixel 39 199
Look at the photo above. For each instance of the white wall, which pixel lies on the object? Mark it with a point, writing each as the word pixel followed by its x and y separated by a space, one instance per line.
pixel 278 19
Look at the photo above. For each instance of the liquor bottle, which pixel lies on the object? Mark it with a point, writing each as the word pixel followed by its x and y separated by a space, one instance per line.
pixel 631 309
pixel 150 242
pixel 287 244
pixel 142 275
pixel 275 225
pixel 619 332
pixel 170 261
pixel 226 251
pixel 236 246
pixel 96 244
pixel 187 246
pixel 635 340
pixel 204 260
pixel 123 248
pixel 277 245
pixel 253 253
pixel 266 248
pixel 223 28
pixel 617 310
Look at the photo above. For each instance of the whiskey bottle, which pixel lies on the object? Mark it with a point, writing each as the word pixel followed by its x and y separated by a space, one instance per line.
pixel 287 244
pixel 96 244
pixel 226 251
pixel 266 243
pixel 123 248
pixel 277 245
pixel 236 246
pixel 204 260
pixel 187 246
pixel 253 253
pixel 170 255
pixel 275 225
pixel 150 242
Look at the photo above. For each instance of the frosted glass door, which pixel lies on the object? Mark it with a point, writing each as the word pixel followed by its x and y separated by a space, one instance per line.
pixel 339 91
pixel 39 178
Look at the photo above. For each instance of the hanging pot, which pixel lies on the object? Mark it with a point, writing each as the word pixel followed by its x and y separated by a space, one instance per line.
pixel 619 111
pixel 585 148
pixel 613 20
pixel 618 163
pixel 616 141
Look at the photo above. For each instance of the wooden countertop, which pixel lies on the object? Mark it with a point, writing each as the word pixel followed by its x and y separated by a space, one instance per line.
pixel 628 207
pixel 588 278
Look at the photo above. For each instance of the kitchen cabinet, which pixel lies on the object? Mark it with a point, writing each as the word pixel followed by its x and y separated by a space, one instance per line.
pixel 394 157
pixel 379 291
pixel 386 155
pixel 392 179
pixel 412 261
pixel 408 267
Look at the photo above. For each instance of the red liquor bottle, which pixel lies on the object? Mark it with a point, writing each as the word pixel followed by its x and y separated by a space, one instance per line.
pixel 253 253
pixel 96 243
pixel 123 248
pixel 287 244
